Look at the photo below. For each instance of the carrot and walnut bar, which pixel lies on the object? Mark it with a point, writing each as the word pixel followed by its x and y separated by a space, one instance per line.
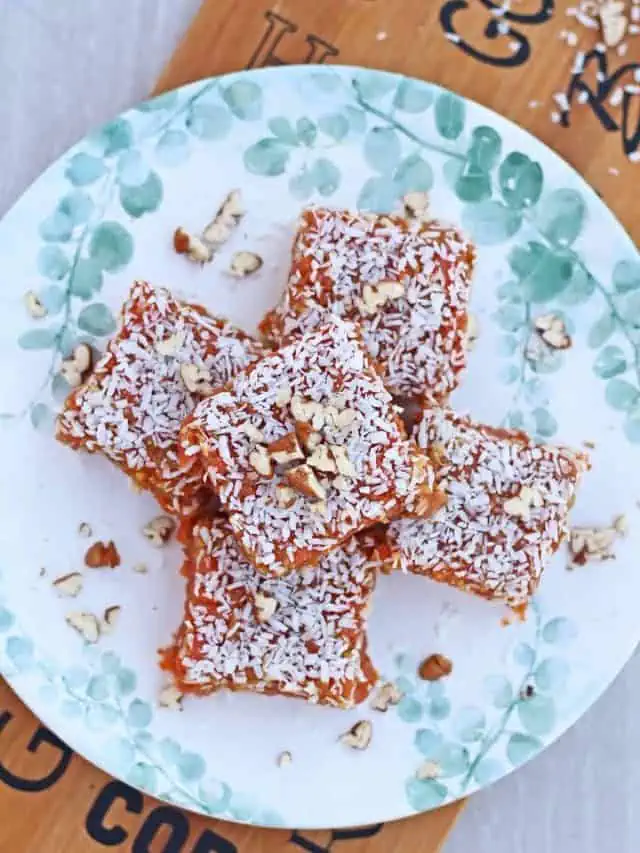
pixel 305 448
pixel 166 355
pixel 506 512
pixel 302 636
pixel 405 283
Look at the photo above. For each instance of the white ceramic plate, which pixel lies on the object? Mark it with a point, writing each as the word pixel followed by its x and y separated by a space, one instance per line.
pixel 104 215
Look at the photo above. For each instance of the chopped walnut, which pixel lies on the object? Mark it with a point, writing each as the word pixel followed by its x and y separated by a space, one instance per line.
pixel 387 695
pixel 69 586
pixel 358 736
pixel 435 667
pixel 553 331
pixel 159 530
pixel 226 219
pixel 86 624
pixel 266 606
pixel 252 432
pixel 416 205
pixel 34 306
pixel 197 380
pixel 345 418
pixel 110 618
pixel 170 697
pixel 285 497
pixel 75 369
pixel 261 461
pixel 374 296
pixel 102 555
pixel 521 505
pixel 303 479
pixel 284 759
pixel 595 543
pixel 343 463
pixel 322 460
pixel 428 770
pixel 307 411
pixel 193 247
pixel 307 436
pixel 244 263
pixel 285 450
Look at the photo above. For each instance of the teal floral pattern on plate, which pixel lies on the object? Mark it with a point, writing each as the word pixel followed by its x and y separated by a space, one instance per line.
pixel 104 214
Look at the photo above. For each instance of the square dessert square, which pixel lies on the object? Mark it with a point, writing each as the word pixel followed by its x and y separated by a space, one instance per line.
pixel 305 448
pixel 405 282
pixel 303 635
pixel 166 354
pixel 506 512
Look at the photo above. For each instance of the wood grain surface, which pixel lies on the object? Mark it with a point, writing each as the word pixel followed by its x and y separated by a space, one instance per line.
pixel 514 69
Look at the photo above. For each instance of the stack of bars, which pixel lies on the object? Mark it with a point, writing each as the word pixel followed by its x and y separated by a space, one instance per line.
pixel 301 438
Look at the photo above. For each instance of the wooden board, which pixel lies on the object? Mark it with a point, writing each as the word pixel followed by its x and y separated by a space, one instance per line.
pixel 515 69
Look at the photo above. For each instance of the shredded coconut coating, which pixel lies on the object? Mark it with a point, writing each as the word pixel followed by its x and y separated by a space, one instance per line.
pixel 132 405
pixel 313 644
pixel 419 338
pixel 390 475
pixel 474 542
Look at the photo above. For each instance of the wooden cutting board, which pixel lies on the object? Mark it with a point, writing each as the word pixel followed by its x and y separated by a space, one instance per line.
pixel 51 800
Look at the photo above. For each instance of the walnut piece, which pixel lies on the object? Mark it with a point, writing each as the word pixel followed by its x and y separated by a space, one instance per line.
pixel 416 205
pixel 387 695
pixel 86 624
pixel 343 463
pixel 69 586
pixel 75 369
pixel 428 770
pixel 266 606
pixel 374 296
pixel 197 380
pixel 244 263
pixel 252 432
pixel 110 618
pixel 191 246
pixel 358 736
pixel 322 460
pixel 102 555
pixel 595 543
pixel 285 450
pixel 159 530
pixel 307 436
pixel 307 411
pixel 223 223
pixel 302 478
pixel 521 505
pixel 435 667
pixel 34 306
pixel 553 331
pixel 284 759
pixel 260 461
pixel 170 697
pixel 285 497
